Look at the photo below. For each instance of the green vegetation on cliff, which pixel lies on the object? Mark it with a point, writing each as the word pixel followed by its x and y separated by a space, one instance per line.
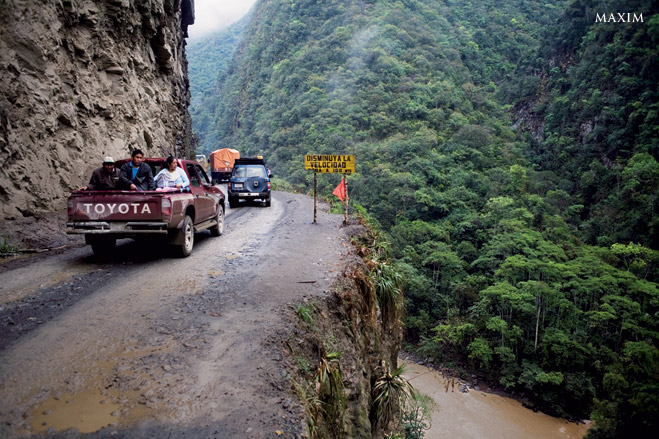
pixel 509 149
pixel 592 87
pixel 208 60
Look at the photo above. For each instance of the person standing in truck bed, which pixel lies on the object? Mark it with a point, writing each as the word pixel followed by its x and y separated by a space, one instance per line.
pixel 137 175
pixel 105 178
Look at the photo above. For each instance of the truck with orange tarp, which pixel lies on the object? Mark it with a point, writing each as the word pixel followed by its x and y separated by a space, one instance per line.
pixel 221 163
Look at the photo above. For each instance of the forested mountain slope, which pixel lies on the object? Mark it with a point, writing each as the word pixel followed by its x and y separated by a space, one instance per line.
pixel 592 91
pixel 208 59
pixel 509 148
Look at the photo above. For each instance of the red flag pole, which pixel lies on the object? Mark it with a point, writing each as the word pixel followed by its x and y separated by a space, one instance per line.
pixel 345 217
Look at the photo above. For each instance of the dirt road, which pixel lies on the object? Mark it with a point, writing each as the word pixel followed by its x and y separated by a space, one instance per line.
pixel 149 345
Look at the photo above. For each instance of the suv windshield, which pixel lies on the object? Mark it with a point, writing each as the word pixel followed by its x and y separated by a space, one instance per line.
pixel 248 171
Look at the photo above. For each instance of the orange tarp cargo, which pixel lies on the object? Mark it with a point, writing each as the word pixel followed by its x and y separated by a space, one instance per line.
pixel 223 159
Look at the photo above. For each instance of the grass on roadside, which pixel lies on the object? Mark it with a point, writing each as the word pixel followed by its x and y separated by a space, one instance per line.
pixel 7 249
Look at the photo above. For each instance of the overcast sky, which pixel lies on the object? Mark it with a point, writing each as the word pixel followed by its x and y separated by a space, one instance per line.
pixel 212 15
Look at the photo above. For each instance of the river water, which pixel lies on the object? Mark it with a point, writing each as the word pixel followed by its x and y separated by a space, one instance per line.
pixel 477 414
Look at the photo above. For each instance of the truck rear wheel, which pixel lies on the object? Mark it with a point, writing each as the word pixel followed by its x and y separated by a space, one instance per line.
pixel 219 228
pixel 187 237
pixel 101 245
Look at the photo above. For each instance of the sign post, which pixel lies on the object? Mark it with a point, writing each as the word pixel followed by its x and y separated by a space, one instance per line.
pixel 315 186
pixel 330 164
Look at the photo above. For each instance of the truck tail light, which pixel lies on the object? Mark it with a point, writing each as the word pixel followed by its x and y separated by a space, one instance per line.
pixel 69 208
pixel 268 185
pixel 166 209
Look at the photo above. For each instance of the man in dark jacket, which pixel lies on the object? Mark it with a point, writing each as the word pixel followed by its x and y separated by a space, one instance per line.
pixel 137 175
pixel 105 178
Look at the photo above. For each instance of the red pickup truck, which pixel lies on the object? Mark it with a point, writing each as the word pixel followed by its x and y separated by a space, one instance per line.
pixel 104 216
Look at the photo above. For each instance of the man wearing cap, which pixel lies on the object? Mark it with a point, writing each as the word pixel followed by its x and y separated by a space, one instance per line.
pixel 105 178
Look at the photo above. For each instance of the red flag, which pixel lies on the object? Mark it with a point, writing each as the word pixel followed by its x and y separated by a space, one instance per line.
pixel 340 191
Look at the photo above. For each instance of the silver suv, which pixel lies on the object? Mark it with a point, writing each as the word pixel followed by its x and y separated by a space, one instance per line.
pixel 250 180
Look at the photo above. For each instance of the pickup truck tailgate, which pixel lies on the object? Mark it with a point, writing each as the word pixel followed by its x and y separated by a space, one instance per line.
pixel 120 206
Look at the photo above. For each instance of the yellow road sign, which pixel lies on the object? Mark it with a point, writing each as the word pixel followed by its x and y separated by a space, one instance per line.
pixel 330 164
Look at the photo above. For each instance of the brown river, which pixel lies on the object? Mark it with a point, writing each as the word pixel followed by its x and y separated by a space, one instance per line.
pixel 477 414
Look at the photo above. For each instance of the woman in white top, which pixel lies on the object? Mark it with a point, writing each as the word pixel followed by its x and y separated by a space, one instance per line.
pixel 172 176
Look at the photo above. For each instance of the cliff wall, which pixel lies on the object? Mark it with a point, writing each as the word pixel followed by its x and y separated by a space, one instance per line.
pixel 343 344
pixel 79 80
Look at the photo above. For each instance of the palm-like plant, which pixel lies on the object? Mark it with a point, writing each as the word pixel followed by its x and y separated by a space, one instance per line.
pixel 390 392
pixel 329 388
pixel 388 285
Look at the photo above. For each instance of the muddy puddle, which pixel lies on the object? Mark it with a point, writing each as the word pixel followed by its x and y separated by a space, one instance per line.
pixel 86 412
pixel 114 393
pixel 478 414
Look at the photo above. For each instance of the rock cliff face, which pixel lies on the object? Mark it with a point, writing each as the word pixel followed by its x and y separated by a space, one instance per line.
pixel 79 80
